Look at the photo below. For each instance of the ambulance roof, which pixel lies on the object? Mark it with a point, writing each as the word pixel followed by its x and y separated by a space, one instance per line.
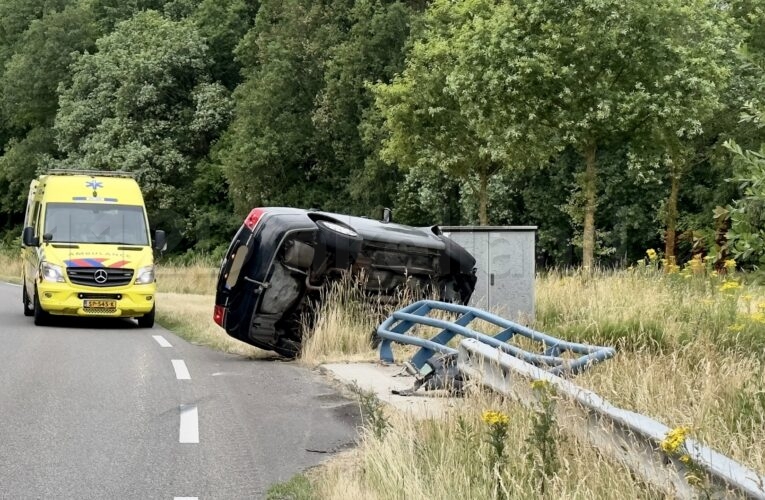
pixel 89 189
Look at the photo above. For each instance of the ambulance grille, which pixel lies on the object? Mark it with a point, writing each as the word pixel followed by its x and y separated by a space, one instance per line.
pixel 93 276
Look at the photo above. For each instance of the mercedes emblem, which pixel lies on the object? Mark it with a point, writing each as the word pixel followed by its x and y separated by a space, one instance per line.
pixel 101 276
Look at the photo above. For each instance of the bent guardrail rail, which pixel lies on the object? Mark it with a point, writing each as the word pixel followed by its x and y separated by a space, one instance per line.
pixel 395 328
pixel 629 437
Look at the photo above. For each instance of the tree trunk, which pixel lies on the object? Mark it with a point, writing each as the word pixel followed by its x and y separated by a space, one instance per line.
pixel 483 198
pixel 590 201
pixel 670 240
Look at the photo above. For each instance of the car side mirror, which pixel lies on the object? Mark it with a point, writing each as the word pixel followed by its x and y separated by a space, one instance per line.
pixel 28 237
pixel 160 241
pixel 47 237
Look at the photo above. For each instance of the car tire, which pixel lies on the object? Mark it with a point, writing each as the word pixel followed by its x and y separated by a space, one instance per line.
pixel 343 247
pixel 147 320
pixel 28 307
pixel 41 317
pixel 287 348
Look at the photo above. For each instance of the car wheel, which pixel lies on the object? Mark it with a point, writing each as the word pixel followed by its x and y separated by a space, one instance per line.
pixel 147 320
pixel 339 240
pixel 41 317
pixel 287 348
pixel 28 307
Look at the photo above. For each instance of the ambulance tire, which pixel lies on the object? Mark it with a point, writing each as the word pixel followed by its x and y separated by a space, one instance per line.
pixel 41 317
pixel 28 310
pixel 147 320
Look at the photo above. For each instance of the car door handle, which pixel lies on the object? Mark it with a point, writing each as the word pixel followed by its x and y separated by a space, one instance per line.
pixel 491 279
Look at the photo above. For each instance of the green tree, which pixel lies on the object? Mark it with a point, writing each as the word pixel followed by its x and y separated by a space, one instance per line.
pixel 271 154
pixel 429 125
pixel 36 62
pixel 144 102
pixel 223 24
pixel 747 213
pixel 28 87
pixel 588 74
pixel 373 51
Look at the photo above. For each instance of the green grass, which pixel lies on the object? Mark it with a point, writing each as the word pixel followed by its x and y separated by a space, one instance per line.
pixel 297 488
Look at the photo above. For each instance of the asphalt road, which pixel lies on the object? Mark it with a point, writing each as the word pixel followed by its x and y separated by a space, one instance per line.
pixel 103 410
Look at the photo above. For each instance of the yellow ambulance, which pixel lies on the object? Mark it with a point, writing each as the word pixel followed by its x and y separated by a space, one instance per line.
pixel 86 248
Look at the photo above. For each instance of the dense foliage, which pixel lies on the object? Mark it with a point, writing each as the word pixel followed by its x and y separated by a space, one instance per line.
pixel 602 122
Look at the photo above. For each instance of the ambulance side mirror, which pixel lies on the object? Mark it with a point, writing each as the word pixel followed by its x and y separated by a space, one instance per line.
pixel 28 238
pixel 160 241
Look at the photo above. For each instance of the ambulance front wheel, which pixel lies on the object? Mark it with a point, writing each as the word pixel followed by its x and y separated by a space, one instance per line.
pixel 147 320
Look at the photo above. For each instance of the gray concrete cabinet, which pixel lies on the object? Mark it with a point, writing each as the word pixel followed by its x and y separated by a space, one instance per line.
pixel 505 267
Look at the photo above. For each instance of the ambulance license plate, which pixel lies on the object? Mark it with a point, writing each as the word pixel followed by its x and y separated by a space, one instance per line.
pixel 100 304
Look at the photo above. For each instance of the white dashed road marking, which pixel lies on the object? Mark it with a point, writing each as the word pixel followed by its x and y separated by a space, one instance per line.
pixel 161 341
pixel 189 431
pixel 11 284
pixel 181 372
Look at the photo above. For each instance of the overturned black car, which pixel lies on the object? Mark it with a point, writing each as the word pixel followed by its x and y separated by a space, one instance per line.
pixel 282 258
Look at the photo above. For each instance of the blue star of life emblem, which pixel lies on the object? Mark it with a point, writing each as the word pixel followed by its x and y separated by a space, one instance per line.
pixel 94 184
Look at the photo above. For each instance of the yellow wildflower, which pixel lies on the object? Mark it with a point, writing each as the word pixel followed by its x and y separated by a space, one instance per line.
pixel 758 317
pixel 492 417
pixel 651 253
pixel 746 297
pixel 686 459
pixel 539 385
pixel 730 264
pixel 761 305
pixel 729 285
pixel 737 327
pixel 674 439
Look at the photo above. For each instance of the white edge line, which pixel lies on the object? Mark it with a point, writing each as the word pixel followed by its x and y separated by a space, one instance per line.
pixel 162 341
pixel 189 429
pixel 181 371
pixel 11 284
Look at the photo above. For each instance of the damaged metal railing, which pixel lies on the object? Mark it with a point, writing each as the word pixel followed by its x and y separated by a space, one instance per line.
pixel 397 326
pixel 490 360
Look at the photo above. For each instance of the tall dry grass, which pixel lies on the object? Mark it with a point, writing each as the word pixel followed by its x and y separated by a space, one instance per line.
pixel 197 277
pixel 10 266
pixel 451 458
pixel 691 351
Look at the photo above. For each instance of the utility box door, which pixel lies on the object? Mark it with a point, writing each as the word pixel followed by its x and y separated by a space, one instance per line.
pixel 504 267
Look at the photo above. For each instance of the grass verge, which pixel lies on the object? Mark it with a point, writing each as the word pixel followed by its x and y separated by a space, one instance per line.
pixel 690 353
pixel 10 266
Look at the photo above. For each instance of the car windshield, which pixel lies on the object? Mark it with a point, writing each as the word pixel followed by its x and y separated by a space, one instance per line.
pixel 96 223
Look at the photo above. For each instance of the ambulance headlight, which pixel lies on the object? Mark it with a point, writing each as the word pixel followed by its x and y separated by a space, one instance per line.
pixel 145 276
pixel 52 272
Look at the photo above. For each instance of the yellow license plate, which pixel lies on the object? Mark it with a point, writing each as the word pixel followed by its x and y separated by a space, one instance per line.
pixel 100 304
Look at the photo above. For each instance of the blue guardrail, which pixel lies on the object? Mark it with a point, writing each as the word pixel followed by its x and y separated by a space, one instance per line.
pixel 396 327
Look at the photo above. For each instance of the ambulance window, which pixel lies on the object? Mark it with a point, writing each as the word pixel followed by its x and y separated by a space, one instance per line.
pixel 35 217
